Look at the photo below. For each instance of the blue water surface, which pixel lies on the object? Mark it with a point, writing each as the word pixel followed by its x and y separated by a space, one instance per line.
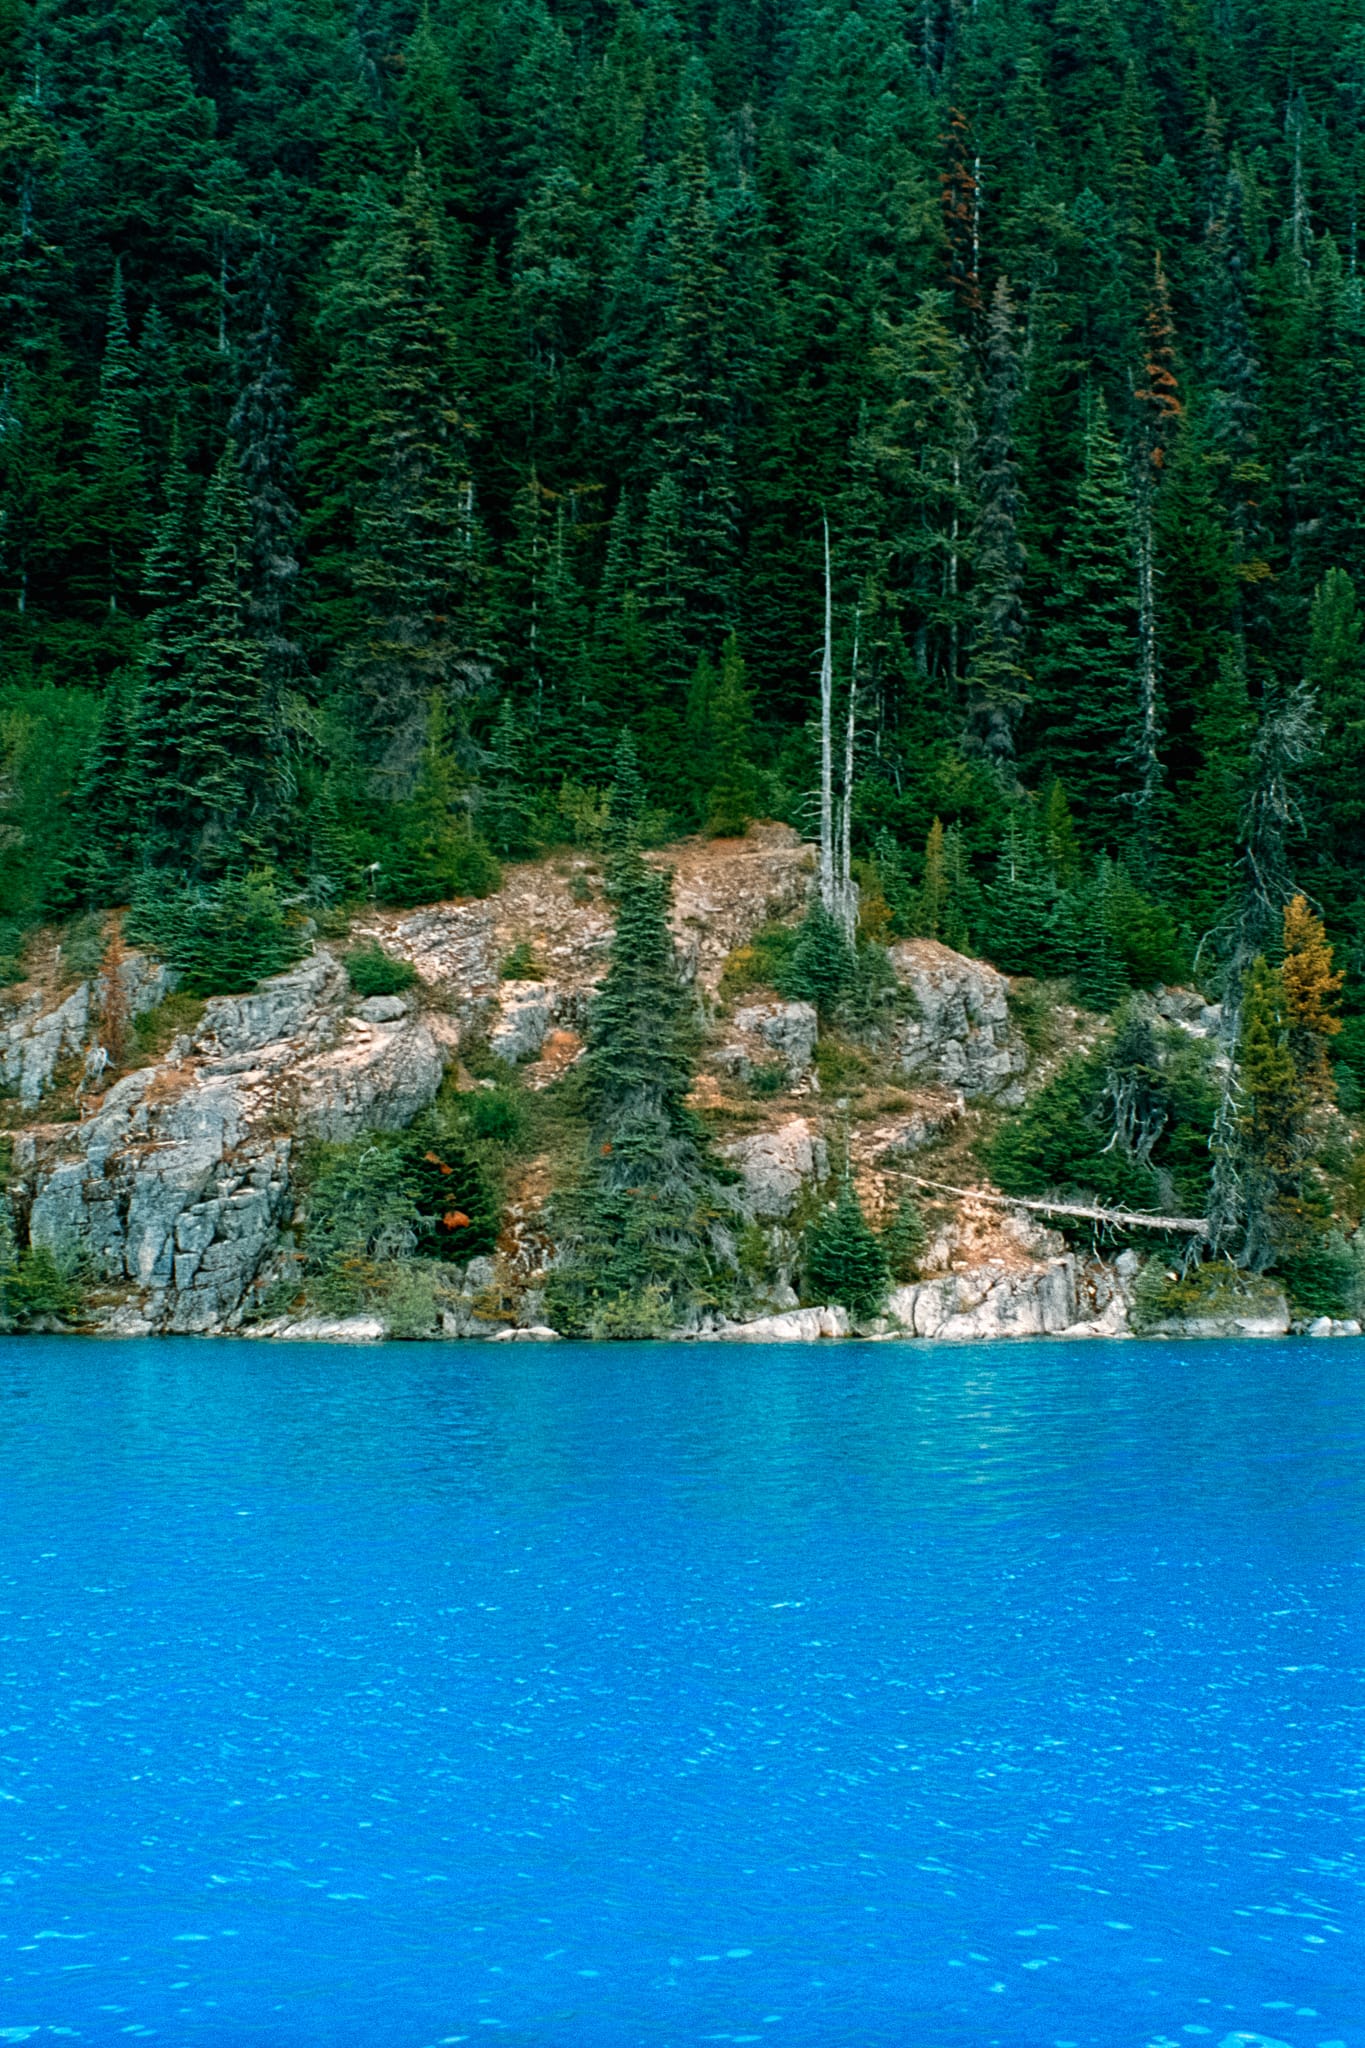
pixel 936 1697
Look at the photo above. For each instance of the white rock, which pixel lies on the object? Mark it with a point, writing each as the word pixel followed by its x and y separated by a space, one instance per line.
pixel 368 1083
pixel 382 1009
pixel 777 1165
pixel 331 1330
pixel 279 1008
pixel 789 1029
pixel 798 1326
pixel 985 1303
pixel 962 1036
pixel 926 1123
pixel 34 1041
pixel 1321 1326
pixel 526 1011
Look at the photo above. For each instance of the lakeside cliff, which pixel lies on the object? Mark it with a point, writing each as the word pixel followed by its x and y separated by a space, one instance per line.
pixel 166 1156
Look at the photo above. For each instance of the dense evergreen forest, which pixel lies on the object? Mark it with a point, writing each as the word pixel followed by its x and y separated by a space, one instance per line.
pixel 400 405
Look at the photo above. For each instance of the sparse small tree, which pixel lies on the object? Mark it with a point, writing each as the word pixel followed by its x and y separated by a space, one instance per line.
pixel 845 1260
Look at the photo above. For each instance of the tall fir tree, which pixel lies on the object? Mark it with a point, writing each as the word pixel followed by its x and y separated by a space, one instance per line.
pixel 997 680
pixel 1085 700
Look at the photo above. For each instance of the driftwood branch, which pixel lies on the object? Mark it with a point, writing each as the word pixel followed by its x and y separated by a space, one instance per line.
pixel 1194 1226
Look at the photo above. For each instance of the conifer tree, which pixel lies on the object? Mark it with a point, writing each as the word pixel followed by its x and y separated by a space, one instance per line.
pixel 1272 1118
pixel 262 425
pixel 1312 992
pixel 1022 914
pixel 508 806
pixel 417 567
pixel 639 1241
pixel 997 680
pixel 159 707
pixel 1215 795
pixel 1335 802
pixel 845 1261
pixel 629 796
pixel 117 513
pixel 102 868
pixel 1085 697
pixel 731 805
pixel 433 852
pixel 225 736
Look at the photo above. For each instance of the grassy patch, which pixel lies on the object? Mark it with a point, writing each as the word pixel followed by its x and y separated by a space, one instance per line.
pixel 759 964
pixel 155 1031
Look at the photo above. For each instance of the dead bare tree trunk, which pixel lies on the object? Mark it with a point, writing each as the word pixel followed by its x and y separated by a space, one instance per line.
pixel 845 886
pixel 827 877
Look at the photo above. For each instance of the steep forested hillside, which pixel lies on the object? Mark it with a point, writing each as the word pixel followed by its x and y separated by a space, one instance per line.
pixel 405 409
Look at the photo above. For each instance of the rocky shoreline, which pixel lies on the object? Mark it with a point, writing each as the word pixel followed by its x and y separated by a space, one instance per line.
pixel 174 1177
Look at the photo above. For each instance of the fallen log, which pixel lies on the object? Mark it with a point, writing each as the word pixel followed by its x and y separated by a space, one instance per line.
pixel 1193 1226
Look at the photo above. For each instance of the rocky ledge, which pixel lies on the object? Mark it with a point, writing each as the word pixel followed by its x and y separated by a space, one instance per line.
pixel 175 1179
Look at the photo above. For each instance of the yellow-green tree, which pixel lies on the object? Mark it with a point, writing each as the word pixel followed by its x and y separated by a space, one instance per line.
pixel 1312 988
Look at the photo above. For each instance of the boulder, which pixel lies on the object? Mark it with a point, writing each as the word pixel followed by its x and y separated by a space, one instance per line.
pixel 777 1166
pixel 382 1010
pixel 36 1039
pixel 961 1036
pixel 985 1303
pixel 376 1079
pixel 789 1030
pixel 797 1326
pixel 326 1330
pixel 282 1007
pixel 526 1010
pixel 932 1117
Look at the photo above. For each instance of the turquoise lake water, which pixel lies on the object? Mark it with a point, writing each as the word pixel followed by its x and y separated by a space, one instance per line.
pixel 936 1697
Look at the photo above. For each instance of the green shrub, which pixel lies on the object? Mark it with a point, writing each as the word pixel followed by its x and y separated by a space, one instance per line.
pixel 82 945
pixel 821 967
pixel 1063 1140
pixel 1162 1295
pixel 456 1199
pixel 761 963
pixel 843 1258
pixel 41 1287
pixel 373 972
pixel 904 1241
pixel 12 936
pixel 769 1079
pixel 520 964
pixel 495 1116
pixel 1326 1277
pixel 156 1030
pixel 1033 1012
pixel 411 1304
pixel 221 940
pixel 1143 932
pixel 381 1201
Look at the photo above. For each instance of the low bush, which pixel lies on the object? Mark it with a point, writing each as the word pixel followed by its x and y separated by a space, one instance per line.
pixel 1163 1295
pixel 520 964
pixel 762 963
pixel 82 946
pixel 495 1116
pixel 221 940
pixel 39 1287
pixel 373 972
pixel 12 936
